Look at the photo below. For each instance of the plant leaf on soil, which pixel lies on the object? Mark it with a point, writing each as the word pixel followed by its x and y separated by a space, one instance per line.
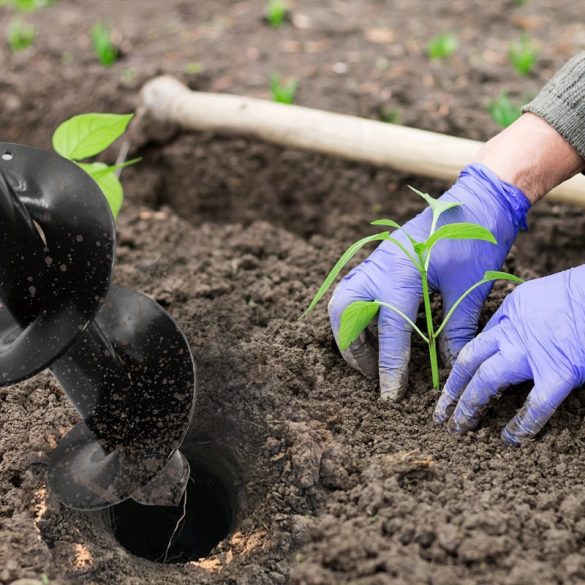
pixel 460 231
pixel 354 319
pixel 347 256
pixel 86 135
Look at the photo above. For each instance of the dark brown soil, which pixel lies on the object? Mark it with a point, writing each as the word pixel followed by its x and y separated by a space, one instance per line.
pixel 330 484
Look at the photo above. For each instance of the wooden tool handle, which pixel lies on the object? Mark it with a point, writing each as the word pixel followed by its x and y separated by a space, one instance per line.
pixel 408 150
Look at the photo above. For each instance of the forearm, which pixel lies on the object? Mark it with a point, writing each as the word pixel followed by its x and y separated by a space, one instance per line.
pixel 546 145
pixel 531 155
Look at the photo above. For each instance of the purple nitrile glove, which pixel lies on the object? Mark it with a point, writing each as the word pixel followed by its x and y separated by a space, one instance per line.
pixel 538 333
pixel 389 276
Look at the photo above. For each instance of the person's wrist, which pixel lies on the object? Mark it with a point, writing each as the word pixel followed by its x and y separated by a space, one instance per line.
pixel 532 156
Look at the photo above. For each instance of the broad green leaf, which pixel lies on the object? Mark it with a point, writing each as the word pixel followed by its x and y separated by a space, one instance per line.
pixel 437 206
pixel 354 320
pixel 108 183
pixel 460 231
pixel 347 256
pixel 497 275
pixel 86 135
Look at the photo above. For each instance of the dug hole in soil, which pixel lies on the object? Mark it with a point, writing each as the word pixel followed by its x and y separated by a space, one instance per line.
pixel 300 473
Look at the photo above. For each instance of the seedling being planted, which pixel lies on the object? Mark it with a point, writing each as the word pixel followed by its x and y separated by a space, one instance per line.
pixel 86 136
pixel 283 92
pixel 503 110
pixel 276 13
pixel 105 50
pixel 522 54
pixel 356 316
pixel 442 46
pixel 21 35
pixel 119 356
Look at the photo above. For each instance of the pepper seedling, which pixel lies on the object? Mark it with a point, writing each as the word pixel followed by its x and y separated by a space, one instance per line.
pixel 442 46
pixel 356 316
pixel 105 50
pixel 503 110
pixel 20 35
pixel 522 55
pixel 87 135
pixel 283 92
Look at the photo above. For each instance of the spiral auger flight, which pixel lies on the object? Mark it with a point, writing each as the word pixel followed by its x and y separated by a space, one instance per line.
pixel 119 356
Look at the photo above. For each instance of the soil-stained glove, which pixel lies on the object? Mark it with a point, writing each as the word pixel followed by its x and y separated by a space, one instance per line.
pixel 388 275
pixel 538 333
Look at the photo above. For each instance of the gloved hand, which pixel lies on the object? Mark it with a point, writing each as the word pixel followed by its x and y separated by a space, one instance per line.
pixel 538 333
pixel 388 275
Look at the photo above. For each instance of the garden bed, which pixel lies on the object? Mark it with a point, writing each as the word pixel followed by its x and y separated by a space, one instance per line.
pixel 316 480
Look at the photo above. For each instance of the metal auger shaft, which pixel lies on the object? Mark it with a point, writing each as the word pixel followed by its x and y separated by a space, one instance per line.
pixel 119 356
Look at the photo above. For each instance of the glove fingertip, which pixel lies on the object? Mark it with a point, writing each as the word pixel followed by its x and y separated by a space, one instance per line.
pixel 393 384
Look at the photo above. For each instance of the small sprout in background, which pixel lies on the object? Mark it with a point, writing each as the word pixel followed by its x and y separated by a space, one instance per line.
pixel 26 5
pixel 442 46
pixel 357 315
pixel 194 68
pixel 520 2
pixel 101 40
pixel 88 135
pixel 389 115
pixel 21 35
pixel 283 92
pixel 504 111
pixel 276 13
pixel 522 55
pixel 67 58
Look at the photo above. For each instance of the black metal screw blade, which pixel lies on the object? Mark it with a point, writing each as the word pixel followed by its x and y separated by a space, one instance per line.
pixel 120 357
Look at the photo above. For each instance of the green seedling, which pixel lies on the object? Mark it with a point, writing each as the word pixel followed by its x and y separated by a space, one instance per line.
pixel 503 110
pixel 21 35
pixel 442 46
pixel 105 50
pixel 389 115
pixel 276 13
pixel 87 135
pixel 283 92
pixel 522 55
pixel 356 317
pixel 26 5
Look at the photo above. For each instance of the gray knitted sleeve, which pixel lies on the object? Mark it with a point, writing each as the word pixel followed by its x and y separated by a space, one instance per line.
pixel 561 102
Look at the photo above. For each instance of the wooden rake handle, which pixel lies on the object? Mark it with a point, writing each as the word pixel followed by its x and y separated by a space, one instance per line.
pixel 404 149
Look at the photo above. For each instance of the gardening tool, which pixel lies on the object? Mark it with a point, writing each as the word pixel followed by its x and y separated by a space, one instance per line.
pixel 408 150
pixel 119 356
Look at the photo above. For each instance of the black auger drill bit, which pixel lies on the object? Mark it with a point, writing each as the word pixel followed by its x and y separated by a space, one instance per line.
pixel 119 356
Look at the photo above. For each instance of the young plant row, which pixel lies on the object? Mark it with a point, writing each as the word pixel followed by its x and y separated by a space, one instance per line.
pixel 21 34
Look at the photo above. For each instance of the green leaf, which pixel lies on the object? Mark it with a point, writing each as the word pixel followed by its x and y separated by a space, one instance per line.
pixel 460 231
pixel 487 277
pixel 437 206
pixel 108 183
pixel 86 135
pixel 354 320
pixel 388 222
pixel 392 223
pixel 420 248
pixel 497 275
pixel 347 256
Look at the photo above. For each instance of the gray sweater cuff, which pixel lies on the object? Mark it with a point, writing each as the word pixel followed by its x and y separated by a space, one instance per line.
pixel 561 103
